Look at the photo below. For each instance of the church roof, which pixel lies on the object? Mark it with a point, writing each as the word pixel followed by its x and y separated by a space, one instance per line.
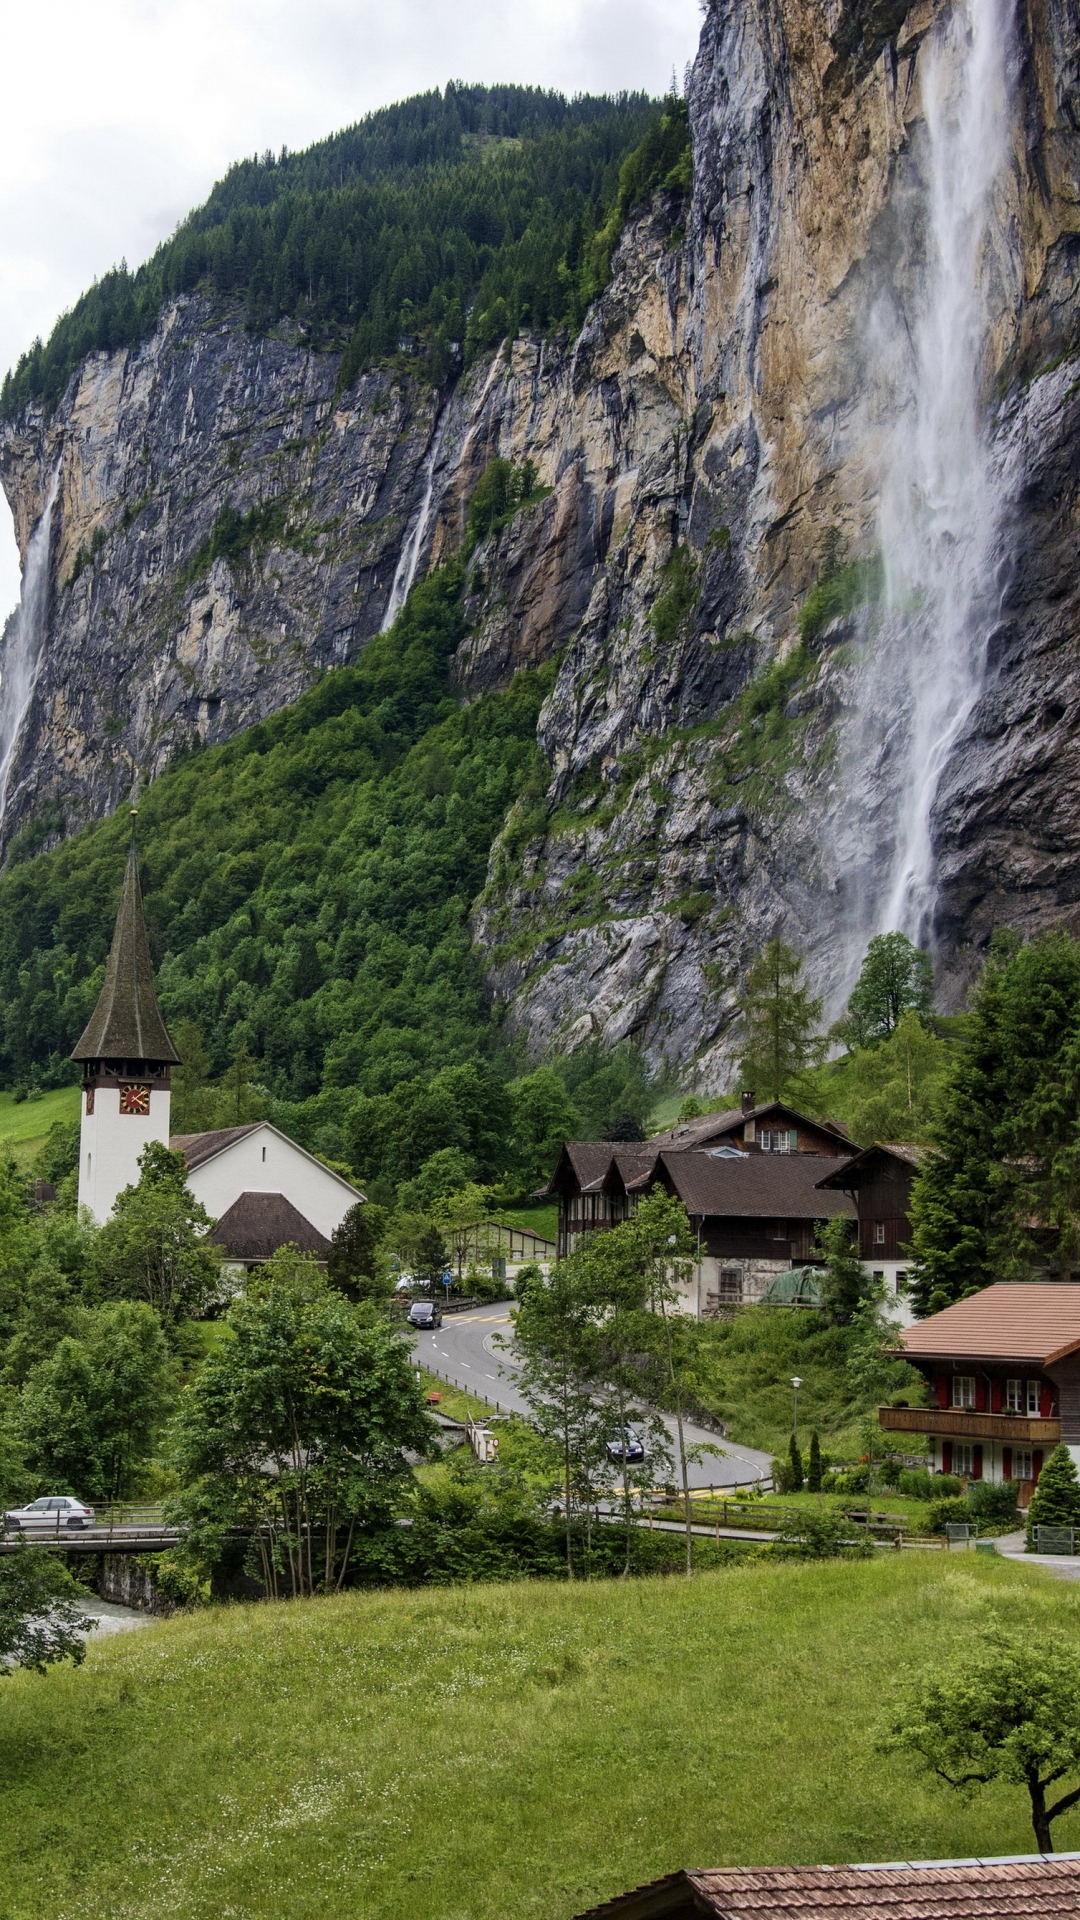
pixel 257 1224
pixel 197 1147
pixel 126 1024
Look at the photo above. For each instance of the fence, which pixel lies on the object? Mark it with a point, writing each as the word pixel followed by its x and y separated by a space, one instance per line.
pixel 1054 1539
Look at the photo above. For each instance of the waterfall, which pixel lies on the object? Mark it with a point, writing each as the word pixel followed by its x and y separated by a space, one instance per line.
pixel 941 494
pixel 413 544
pixel 24 642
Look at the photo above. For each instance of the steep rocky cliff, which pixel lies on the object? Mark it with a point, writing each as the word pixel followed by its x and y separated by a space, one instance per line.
pixel 734 735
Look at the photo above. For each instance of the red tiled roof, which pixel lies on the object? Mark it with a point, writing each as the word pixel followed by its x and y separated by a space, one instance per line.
pixel 1032 1888
pixel 1012 1320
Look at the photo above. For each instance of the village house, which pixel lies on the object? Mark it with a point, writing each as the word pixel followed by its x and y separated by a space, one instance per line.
pixel 879 1181
pixel 1003 1370
pixel 900 1890
pixel 753 1128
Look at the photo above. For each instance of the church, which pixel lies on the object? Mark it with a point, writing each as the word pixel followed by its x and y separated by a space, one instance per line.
pixel 259 1187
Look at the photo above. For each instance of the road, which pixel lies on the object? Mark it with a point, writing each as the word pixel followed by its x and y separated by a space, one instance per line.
pixel 465 1348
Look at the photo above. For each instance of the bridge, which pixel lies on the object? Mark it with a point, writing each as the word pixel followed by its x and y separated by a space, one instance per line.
pixel 119 1529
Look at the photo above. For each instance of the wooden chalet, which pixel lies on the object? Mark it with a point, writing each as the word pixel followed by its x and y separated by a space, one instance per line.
pixel 750 1128
pixel 753 1215
pixel 1003 1368
pixel 879 1181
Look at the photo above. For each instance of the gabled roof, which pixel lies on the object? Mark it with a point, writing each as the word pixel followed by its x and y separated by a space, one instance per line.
pixel 126 1024
pixel 1031 1886
pixel 1036 1321
pixel 257 1224
pixel 754 1186
pixel 687 1135
pixel 197 1148
pixel 591 1161
pixel 904 1153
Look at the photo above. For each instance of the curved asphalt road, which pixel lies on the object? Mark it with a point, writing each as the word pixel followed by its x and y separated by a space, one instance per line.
pixel 465 1348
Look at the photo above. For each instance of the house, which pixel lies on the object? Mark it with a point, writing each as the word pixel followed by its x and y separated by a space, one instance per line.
pixel 753 1215
pixel 750 1128
pixel 900 1890
pixel 879 1181
pixel 1003 1368
pixel 127 1056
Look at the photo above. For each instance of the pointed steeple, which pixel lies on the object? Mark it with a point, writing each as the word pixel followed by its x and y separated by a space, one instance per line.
pixel 126 1024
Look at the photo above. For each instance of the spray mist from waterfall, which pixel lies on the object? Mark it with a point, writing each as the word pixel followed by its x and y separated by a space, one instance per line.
pixel 941 495
pixel 24 644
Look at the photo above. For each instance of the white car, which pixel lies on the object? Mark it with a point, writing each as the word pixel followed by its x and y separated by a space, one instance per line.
pixel 52 1511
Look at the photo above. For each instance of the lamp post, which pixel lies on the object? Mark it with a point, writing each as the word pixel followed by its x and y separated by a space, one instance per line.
pixel 796 1383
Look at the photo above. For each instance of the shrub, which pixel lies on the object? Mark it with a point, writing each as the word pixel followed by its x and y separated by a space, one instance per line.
pixel 1056 1500
pixel 821 1536
pixel 814 1472
pixel 795 1458
pixel 947 1512
pixel 917 1483
pixel 992 1502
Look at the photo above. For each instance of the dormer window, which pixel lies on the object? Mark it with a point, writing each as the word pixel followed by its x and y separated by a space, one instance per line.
pixel 778 1140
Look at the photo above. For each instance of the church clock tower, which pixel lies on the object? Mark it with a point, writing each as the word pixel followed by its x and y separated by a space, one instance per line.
pixel 126 1055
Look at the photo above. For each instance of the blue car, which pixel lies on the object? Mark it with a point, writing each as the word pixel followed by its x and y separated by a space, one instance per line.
pixel 628 1447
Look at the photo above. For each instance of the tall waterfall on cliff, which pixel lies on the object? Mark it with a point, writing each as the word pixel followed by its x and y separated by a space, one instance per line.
pixel 941 495
pixel 413 544
pixel 24 642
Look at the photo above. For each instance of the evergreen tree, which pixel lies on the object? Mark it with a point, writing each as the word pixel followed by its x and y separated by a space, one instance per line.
pixel 795 1458
pixel 1000 1191
pixel 896 977
pixel 845 1282
pixel 814 1470
pixel 781 1017
pixel 1056 1499
pixel 353 1264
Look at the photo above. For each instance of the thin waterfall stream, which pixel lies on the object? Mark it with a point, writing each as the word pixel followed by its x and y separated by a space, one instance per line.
pixel 413 544
pixel 24 643
pixel 941 491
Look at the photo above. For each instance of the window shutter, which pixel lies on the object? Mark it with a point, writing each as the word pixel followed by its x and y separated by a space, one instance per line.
pixel 995 1398
pixel 980 1394
pixel 1036 1463
pixel 942 1390
pixel 1046 1400
pixel 976 1468
pixel 946 1456
pixel 793 1141
pixel 1006 1463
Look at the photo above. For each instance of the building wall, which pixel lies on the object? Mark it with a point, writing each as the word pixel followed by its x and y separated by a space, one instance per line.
pixel 894 1272
pixel 266 1162
pixel 110 1143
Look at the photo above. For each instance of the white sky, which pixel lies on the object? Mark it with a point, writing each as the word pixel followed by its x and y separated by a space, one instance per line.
pixel 118 117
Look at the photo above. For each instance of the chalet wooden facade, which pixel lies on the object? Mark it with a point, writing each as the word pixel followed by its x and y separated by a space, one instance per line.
pixel 771 1127
pixel 879 1180
pixel 1003 1370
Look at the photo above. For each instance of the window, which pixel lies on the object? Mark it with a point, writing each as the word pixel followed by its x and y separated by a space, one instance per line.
pixel 963 1390
pixel 879 1273
pixel 264 1153
pixel 1033 1398
pixel 779 1230
pixel 879 1233
pixel 783 1141
pixel 900 1281
pixel 730 1284
pixel 962 1457
pixel 1021 1463
pixel 1014 1396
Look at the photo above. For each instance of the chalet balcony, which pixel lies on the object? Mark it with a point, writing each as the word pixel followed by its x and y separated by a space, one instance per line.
pixel 952 1423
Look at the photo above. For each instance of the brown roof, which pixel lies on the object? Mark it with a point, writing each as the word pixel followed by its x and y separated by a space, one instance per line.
pixel 756 1185
pixel 1034 1888
pixel 910 1155
pixel 257 1224
pixel 689 1134
pixel 592 1160
pixel 197 1147
pixel 1012 1320
pixel 126 1024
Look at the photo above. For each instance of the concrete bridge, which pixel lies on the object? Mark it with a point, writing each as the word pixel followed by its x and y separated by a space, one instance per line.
pixel 129 1529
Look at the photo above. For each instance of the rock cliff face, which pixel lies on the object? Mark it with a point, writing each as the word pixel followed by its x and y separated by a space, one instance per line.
pixel 729 755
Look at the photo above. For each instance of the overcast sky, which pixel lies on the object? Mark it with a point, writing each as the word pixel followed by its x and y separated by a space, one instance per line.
pixel 119 117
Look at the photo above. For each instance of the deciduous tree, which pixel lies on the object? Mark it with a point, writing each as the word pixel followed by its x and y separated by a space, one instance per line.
pixel 42 1618
pixel 896 978
pixel 153 1247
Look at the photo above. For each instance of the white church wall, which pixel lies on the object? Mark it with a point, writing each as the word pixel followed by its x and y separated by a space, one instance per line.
pixel 110 1143
pixel 265 1161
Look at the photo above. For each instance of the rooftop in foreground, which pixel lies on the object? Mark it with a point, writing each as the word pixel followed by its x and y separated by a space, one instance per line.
pixel 1035 1886
pixel 1012 1320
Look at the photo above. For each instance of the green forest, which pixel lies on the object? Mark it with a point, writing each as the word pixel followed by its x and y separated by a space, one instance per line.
pixel 435 227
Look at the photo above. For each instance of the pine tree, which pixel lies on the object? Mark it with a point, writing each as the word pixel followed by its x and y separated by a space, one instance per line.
pixel 796 1466
pixel 781 1017
pixel 813 1477
pixel 1056 1500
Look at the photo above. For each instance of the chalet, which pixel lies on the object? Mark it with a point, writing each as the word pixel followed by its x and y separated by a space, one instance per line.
pixel 753 1216
pixel 1003 1369
pixel 900 1890
pixel 750 1128
pixel 879 1181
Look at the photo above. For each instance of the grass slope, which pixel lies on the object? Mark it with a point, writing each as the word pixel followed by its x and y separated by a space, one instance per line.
pixel 24 1123
pixel 483 1751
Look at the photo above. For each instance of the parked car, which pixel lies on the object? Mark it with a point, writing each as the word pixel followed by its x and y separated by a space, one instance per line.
pixel 52 1511
pixel 426 1314
pixel 626 1446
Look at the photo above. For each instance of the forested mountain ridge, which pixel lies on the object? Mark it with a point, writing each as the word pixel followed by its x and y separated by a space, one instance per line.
pixel 721 752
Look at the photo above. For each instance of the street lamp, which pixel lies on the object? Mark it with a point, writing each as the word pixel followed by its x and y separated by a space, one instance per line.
pixel 796 1383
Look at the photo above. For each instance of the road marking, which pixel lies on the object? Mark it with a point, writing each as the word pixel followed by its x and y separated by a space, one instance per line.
pixel 482 1319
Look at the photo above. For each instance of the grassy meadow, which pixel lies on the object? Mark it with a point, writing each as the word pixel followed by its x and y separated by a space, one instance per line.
pixel 475 1752
pixel 24 1123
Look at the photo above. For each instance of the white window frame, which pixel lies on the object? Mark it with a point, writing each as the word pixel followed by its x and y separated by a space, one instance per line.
pixel 879 1233
pixel 1014 1396
pixel 963 1392
pixel 1022 1468
pixel 963 1455
pixel 1034 1398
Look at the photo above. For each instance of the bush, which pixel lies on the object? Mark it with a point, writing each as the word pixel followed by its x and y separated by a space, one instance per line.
pixel 821 1536
pixel 945 1483
pixel 917 1483
pixel 947 1512
pixel 994 1503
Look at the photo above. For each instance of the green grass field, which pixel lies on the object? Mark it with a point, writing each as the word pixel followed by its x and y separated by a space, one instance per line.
pixel 477 1752
pixel 24 1123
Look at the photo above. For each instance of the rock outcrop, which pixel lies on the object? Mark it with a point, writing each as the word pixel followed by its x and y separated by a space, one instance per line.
pixel 708 453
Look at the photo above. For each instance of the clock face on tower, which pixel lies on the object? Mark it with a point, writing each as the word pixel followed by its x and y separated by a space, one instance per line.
pixel 135 1100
